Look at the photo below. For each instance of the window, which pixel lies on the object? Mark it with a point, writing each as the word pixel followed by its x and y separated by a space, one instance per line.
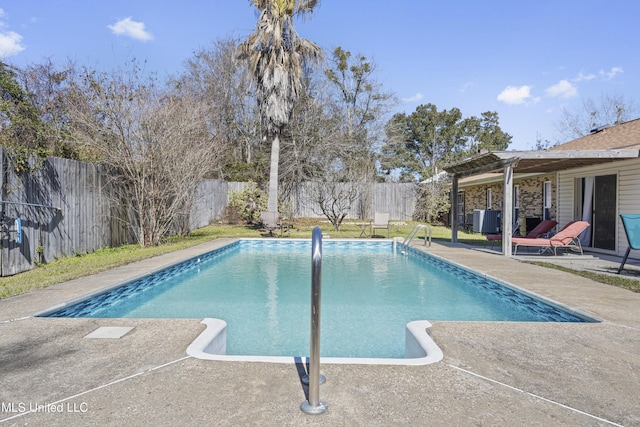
pixel 547 194
pixel 489 198
pixel 461 218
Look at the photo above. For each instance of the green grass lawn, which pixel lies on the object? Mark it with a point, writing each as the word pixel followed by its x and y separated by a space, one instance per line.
pixel 619 281
pixel 70 268
pixel 78 266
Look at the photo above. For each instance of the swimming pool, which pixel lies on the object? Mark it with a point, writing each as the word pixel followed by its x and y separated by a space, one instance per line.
pixel 261 289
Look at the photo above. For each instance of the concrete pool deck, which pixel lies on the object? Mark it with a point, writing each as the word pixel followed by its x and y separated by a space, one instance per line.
pixel 492 373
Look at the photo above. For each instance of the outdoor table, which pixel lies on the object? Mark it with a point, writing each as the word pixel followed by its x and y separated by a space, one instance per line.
pixel 364 227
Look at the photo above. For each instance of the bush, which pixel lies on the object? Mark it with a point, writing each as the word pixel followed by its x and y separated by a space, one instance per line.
pixel 246 205
pixel 432 203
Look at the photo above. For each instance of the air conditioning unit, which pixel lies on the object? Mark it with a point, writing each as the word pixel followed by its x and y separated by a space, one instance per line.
pixel 491 222
pixel 486 221
pixel 478 219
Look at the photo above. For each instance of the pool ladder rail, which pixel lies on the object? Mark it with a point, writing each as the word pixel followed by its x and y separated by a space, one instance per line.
pixel 413 233
pixel 313 405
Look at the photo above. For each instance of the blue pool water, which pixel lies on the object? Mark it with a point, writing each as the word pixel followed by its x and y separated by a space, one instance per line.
pixel 261 288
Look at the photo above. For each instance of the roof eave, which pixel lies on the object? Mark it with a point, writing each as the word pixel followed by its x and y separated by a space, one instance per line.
pixel 537 161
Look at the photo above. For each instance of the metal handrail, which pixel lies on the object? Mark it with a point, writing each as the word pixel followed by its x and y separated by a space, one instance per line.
pixel 313 405
pixel 414 232
pixel 35 205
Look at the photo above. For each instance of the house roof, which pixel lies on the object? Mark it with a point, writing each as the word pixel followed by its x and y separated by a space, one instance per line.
pixel 618 142
pixel 537 161
pixel 621 136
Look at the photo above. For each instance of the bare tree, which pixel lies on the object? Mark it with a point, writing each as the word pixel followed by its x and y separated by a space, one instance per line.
pixel 334 199
pixel 360 104
pixel 309 140
pixel 154 143
pixel 214 75
pixel 610 110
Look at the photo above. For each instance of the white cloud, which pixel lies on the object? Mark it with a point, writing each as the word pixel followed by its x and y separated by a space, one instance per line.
pixel 415 98
pixel 10 44
pixel 611 73
pixel 581 77
pixel 515 95
pixel 466 86
pixel 563 89
pixel 128 27
pixel 10 41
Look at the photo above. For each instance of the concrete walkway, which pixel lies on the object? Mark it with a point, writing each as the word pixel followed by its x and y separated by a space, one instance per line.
pixel 492 373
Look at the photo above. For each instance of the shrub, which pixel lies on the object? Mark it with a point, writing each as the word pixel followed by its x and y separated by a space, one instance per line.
pixel 246 205
pixel 432 203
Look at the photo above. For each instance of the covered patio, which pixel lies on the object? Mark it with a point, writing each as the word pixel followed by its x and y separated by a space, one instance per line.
pixel 523 162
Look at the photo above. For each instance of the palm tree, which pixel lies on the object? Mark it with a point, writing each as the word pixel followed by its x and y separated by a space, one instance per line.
pixel 276 57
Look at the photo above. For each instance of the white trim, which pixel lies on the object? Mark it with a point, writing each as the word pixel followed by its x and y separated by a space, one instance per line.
pixel 420 349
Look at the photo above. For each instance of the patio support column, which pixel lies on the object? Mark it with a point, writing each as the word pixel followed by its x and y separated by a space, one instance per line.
pixel 454 208
pixel 507 210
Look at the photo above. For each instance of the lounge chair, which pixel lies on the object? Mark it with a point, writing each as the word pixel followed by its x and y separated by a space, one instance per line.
pixel 565 238
pixel 380 221
pixel 540 230
pixel 631 223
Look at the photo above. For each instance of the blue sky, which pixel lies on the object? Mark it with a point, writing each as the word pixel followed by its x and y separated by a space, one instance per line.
pixel 527 60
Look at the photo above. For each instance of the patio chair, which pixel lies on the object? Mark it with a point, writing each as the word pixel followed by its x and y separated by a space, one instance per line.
pixel 271 223
pixel 468 222
pixel 540 230
pixel 568 237
pixel 631 223
pixel 380 221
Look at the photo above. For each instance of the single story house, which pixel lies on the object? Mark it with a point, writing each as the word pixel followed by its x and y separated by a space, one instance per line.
pixel 593 178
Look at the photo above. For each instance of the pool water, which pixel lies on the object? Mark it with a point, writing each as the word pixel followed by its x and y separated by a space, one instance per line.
pixel 262 289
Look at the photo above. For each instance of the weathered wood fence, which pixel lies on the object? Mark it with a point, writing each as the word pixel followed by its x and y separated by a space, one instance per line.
pixel 59 209
pixel 64 207
pixel 211 199
pixel 398 199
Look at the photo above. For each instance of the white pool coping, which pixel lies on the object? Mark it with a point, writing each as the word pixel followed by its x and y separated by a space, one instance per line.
pixel 420 349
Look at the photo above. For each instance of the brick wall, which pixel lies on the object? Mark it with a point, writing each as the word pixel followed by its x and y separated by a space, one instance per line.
pixel 531 202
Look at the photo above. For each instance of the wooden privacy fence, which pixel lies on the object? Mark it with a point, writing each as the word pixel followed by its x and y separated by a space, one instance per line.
pixel 398 199
pixel 211 200
pixel 62 208
pixel 65 207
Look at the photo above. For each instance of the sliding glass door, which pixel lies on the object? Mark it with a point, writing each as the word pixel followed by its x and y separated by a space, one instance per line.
pixel 598 206
pixel 604 212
